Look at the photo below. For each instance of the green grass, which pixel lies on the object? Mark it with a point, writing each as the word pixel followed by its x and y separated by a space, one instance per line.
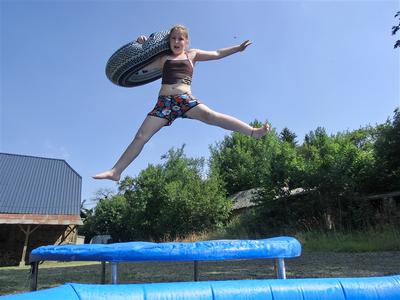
pixel 51 274
pixel 387 239
pixel 359 241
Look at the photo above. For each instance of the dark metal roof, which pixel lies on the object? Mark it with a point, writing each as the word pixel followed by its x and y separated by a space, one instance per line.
pixel 244 199
pixel 38 185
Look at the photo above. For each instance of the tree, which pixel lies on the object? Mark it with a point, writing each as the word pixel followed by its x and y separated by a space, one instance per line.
pixel 288 136
pixel 243 162
pixel 395 29
pixel 90 226
pixel 334 171
pixel 173 199
pixel 110 215
pixel 387 149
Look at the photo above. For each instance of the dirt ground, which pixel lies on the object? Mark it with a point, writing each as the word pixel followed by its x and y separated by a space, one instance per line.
pixel 313 264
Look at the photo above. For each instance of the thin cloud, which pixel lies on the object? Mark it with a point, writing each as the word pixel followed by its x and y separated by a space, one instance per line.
pixel 56 151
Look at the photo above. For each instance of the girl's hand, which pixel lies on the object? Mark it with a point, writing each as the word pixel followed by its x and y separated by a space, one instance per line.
pixel 244 45
pixel 141 39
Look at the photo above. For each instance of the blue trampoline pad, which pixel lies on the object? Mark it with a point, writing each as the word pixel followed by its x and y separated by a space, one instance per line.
pixel 279 247
pixel 372 288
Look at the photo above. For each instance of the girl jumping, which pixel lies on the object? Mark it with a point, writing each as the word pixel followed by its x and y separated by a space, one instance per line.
pixel 175 99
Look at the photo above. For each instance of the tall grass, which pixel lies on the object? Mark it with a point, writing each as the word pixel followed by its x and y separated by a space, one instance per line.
pixel 371 240
pixel 360 241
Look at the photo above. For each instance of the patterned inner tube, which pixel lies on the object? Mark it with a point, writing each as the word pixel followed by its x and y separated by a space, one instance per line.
pixel 124 67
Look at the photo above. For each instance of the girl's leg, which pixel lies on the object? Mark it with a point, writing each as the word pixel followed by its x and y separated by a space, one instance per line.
pixel 203 113
pixel 148 128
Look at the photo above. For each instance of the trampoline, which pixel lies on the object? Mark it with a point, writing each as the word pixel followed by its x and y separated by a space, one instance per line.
pixel 278 249
pixel 372 288
pixel 369 288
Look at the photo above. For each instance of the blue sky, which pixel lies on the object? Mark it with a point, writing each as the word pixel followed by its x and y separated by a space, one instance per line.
pixel 312 63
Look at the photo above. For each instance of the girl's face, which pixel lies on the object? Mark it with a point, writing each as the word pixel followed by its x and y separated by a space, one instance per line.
pixel 178 41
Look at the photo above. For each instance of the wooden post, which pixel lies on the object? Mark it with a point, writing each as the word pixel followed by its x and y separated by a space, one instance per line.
pixel 27 233
pixel 64 237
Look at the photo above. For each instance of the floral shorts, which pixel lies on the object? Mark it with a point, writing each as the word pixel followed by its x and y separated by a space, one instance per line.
pixel 174 106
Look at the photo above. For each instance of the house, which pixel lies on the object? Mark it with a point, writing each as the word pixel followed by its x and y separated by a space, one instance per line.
pixel 244 201
pixel 40 201
pixel 383 209
pixel 386 207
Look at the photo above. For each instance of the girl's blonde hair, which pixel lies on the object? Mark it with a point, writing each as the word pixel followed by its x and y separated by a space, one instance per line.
pixel 181 28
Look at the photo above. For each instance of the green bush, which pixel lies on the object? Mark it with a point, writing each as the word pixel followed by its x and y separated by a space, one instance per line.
pixel 163 202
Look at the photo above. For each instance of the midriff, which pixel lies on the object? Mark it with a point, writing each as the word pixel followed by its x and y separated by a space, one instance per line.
pixel 174 89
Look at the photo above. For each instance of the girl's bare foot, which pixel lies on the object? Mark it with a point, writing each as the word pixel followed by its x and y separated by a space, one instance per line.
pixel 260 132
pixel 111 175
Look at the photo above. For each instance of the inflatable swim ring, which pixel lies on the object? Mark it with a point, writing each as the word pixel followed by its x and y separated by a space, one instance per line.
pixel 124 67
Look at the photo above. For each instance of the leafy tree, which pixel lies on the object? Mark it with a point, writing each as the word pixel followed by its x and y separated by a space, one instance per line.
pixel 88 230
pixel 288 136
pixel 110 215
pixel 363 161
pixel 243 162
pixel 335 171
pixel 333 168
pixel 174 199
pixel 395 29
pixel 106 218
pixel 387 152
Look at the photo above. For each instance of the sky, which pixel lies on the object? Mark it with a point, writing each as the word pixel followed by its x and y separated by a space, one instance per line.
pixel 312 64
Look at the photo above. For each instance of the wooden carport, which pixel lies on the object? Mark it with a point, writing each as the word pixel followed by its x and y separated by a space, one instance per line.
pixel 29 223
pixel 40 204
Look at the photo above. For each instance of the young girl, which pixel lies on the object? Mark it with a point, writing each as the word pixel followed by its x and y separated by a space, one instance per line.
pixel 175 99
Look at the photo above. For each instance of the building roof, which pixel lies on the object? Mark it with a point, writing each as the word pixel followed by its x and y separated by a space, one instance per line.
pixel 244 199
pixel 37 185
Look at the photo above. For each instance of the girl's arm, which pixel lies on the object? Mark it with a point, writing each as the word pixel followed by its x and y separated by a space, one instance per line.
pixel 155 64
pixel 201 55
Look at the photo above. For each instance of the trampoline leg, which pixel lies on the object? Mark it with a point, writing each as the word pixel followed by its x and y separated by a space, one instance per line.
pixel 103 272
pixel 34 275
pixel 196 271
pixel 279 268
pixel 114 272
